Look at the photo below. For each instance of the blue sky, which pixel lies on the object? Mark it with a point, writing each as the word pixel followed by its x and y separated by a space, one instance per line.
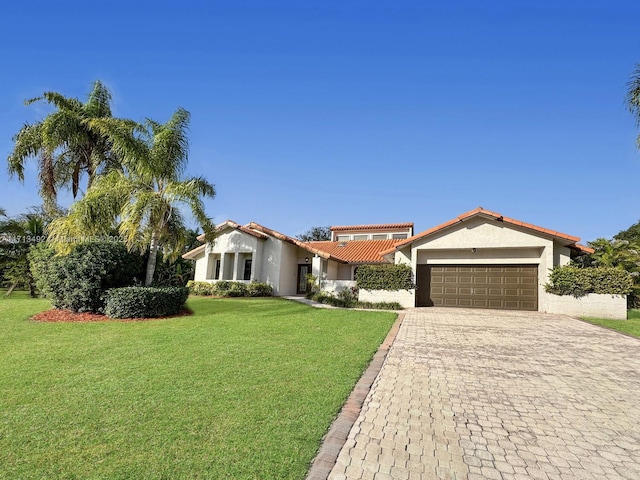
pixel 318 113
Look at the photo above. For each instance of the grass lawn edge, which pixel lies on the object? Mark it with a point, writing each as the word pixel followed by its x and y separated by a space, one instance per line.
pixel 337 434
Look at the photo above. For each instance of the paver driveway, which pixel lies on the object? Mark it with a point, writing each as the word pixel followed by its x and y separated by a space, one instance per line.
pixel 499 395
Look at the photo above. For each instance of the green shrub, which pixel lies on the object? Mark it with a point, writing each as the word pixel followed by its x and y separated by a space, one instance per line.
pixel 79 281
pixel 225 288
pixel 633 299
pixel 578 282
pixel 222 287
pixel 349 299
pixel 345 298
pixel 172 273
pixel 257 289
pixel 385 277
pixel 237 289
pixel 380 305
pixel 41 263
pixel 145 302
pixel 200 288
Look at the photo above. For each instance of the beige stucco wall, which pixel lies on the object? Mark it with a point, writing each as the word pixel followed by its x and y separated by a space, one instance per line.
pixel 290 258
pixel 200 269
pixel 592 305
pixel 344 271
pixel 335 286
pixel 406 298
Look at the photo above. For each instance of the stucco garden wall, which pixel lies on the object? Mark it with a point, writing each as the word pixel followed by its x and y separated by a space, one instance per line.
pixel 335 286
pixel 406 298
pixel 592 305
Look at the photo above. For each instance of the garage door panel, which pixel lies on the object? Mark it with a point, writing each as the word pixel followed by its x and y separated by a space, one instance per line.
pixel 513 287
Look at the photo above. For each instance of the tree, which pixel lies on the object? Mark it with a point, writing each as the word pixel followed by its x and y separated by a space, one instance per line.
pixel 615 253
pixel 315 234
pixel 633 97
pixel 17 235
pixel 631 234
pixel 65 143
pixel 141 198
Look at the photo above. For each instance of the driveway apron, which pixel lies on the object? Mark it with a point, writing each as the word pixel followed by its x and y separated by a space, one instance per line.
pixel 499 395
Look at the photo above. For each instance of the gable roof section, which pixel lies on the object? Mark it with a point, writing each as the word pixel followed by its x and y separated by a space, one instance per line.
pixel 355 251
pixel 231 224
pixel 192 254
pixel 570 240
pixel 379 226
pixel 293 241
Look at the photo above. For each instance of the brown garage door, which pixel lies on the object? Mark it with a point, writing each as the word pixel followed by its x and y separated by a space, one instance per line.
pixel 505 287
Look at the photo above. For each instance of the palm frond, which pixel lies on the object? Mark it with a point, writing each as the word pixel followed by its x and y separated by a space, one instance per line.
pixel 27 144
pixel 99 101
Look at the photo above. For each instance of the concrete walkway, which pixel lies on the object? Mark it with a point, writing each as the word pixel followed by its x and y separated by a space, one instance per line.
pixel 499 395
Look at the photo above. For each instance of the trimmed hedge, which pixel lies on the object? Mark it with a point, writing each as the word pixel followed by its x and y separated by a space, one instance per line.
pixel 578 282
pixel 385 277
pixel 225 288
pixel 349 299
pixel 79 281
pixel 145 302
pixel 258 289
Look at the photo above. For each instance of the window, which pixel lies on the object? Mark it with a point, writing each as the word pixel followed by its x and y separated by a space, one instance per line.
pixel 379 236
pixel 361 237
pixel 399 236
pixel 217 275
pixel 343 238
pixel 247 269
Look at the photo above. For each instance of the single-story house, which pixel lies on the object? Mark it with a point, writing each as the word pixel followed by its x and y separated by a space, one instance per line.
pixel 480 259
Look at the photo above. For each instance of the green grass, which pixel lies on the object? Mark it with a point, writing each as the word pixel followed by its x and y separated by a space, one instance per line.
pixel 244 388
pixel 630 326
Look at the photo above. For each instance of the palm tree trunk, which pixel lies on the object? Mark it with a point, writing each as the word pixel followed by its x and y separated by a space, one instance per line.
pixel 151 262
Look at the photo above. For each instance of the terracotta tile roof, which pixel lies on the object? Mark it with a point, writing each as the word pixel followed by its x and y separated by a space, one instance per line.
pixel 355 251
pixel 288 239
pixel 378 226
pixel 582 248
pixel 488 213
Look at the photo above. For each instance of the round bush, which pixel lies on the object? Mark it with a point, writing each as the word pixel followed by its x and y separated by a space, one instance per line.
pixel 145 302
pixel 79 280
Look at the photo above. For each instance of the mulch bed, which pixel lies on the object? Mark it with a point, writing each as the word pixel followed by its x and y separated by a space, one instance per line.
pixel 56 315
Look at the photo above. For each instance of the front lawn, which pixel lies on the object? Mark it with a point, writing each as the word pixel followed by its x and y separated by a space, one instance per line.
pixel 630 326
pixel 244 388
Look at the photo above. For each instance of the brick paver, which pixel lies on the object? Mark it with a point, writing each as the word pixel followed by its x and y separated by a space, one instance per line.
pixel 499 395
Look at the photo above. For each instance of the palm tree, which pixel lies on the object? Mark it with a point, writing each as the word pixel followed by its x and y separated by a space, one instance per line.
pixel 616 253
pixel 633 96
pixel 141 198
pixel 64 142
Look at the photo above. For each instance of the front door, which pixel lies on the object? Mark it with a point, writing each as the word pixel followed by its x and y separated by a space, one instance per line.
pixel 303 281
